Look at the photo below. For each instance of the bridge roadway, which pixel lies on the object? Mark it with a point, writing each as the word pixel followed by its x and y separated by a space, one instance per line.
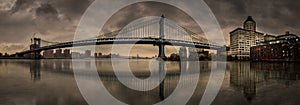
pixel 103 41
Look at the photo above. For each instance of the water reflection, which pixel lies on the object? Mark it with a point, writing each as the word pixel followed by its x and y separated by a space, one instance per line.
pixel 249 77
pixel 128 95
pixel 30 82
pixel 43 70
pixel 51 82
pixel 35 70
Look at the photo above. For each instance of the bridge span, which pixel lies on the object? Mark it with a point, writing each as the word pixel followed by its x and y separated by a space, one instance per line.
pixel 158 32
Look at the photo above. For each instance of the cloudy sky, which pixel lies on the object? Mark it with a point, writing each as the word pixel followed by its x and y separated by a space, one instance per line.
pixel 56 20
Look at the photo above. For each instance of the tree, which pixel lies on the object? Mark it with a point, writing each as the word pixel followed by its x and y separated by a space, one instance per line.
pixel 202 57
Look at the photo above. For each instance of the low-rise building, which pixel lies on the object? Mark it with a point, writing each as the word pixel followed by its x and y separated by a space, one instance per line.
pixel 183 53
pixel 48 54
pixel 76 55
pixel 58 53
pixel 87 53
pixel 67 53
pixel 268 37
pixel 283 48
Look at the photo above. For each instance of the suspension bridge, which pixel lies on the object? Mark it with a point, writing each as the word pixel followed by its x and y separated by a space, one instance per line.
pixel 157 31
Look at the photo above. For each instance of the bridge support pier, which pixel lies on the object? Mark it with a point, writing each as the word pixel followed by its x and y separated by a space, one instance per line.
pixel 36 55
pixel 161 51
pixel 162 57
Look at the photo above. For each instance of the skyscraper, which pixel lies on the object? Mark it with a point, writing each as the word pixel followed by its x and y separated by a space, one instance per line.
pixel 242 39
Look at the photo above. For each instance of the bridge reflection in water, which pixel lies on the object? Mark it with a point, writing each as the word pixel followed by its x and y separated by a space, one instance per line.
pixel 140 70
pixel 257 81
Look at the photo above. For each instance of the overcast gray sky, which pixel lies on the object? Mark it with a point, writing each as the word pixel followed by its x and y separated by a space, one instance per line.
pixel 56 20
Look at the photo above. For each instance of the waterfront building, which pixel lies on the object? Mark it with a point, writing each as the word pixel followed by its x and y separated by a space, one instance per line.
pixel 197 54
pixel 87 53
pixel 58 53
pixel 283 48
pixel 67 53
pixel 76 55
pixel 242 39
pixel 269 37
pixel 6 55
pixel 48 54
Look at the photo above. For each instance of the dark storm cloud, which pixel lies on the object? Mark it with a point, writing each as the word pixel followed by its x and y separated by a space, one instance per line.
pixel 57 19
pixel 49 19
pixel 135 11
pixel 274 17
pixel 72 8
pixel 46 9
pixel 21 4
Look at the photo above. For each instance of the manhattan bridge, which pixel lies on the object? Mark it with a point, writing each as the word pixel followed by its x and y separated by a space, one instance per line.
pixel 157 32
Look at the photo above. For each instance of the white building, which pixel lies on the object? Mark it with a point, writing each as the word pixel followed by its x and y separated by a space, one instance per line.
pixel 242 39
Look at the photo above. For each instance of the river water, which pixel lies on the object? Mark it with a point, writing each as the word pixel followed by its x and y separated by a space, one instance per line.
pixel 52 82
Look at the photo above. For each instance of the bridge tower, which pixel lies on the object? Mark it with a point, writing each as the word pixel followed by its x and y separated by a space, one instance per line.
pixel 161 44
pixel 35 44
pixel 162 57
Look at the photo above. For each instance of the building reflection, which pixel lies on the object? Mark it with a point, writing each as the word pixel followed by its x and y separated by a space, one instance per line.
pixel 248 77
pixel 35 70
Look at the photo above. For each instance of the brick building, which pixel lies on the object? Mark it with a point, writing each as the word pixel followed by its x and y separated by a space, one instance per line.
pixel 282 48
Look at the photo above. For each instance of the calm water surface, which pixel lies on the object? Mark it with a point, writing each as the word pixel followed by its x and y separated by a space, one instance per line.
pixel 51 82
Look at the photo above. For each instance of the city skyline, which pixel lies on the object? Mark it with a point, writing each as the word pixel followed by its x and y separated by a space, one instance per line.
pixel 57 20
pixel 136 52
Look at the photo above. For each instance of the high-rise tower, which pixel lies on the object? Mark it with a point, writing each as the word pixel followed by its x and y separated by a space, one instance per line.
pixel 242 39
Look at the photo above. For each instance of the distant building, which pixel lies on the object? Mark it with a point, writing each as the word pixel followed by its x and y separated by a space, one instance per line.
pixel 67 53
pixel 6 55
pixel 99 55
pixel 282 48
pixel 183 53
pixel 88 53
pixel 76 55
pixel 195 53
pixel 269 37
pixel 48 54
pixel 58 53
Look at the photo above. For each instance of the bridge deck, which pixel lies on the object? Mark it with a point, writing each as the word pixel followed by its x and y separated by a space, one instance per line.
pixel 104 41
